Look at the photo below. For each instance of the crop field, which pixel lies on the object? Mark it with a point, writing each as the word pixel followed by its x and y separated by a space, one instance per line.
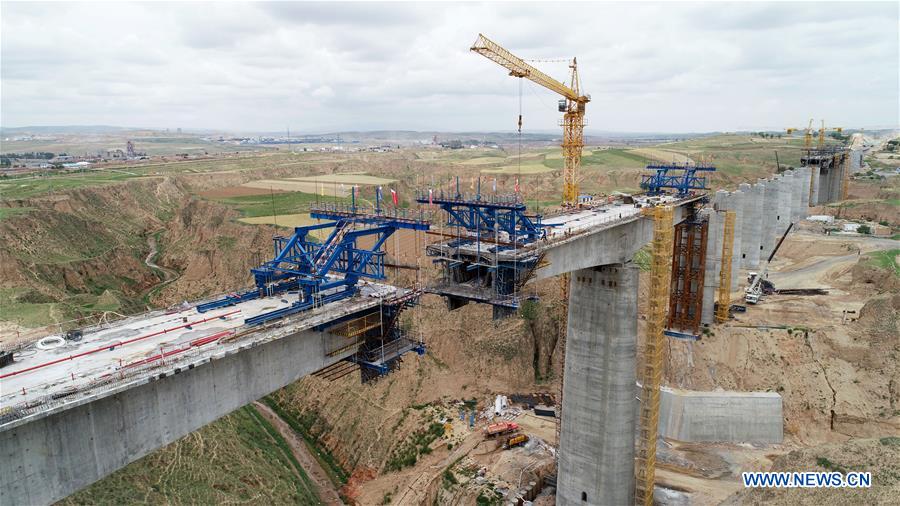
pixel 280 204
pixel 661 155
pixel 288 185
pixel 360 179
pixel 236 191
pixel 605 158
pixel 12 188
pixel 282 220
pixel 483 160
pixel 525 169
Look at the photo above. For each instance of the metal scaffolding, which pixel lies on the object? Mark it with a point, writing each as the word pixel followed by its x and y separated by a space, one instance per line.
pixel 845 177
pixel 688 273
pixel 651 373
pixel 723 302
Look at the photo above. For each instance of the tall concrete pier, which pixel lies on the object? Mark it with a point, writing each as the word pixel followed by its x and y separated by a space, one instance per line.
pixel 796 185
pixel 785 193
pixel 814 183
pixel 596 451
pixel 804 173
pixel 769 217
pixel 751 225
pixel 736 204
pixel 713 258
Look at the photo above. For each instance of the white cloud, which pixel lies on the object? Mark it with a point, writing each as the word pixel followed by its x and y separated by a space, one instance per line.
pixel 325 66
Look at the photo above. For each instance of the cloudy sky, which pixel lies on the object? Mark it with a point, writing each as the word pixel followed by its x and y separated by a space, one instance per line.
pixel 670 67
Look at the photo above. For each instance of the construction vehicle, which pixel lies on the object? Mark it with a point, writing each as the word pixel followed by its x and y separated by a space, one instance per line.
pixel 572 104
pixel 759 285
pixel 514 441
pixel 499 429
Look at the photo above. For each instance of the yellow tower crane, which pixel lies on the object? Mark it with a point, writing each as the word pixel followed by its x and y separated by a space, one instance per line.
pixel 822 130
pixel 572 105
pixel 807 134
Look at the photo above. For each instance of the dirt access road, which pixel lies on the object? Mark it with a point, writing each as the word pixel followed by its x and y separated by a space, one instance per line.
pixel 169 275
pixel 327 493
pixel 811 269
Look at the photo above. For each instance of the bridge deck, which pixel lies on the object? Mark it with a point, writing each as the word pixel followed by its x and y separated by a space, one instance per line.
pixel 562 228
pixel 133 347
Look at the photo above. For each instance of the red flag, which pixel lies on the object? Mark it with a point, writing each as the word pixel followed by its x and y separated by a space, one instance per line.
pixel 430 199
pixel 517 185
pixel 394 197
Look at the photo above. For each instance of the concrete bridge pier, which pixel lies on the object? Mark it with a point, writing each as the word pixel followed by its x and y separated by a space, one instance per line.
pixel 814 183
pixel 596 460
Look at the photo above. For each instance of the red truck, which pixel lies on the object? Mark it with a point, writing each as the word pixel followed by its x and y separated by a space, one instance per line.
pixel 500 428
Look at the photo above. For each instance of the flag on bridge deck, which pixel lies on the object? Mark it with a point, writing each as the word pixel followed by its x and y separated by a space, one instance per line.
pixel 430 195
pixel 517 185
pixel 495 185
pixel 394 197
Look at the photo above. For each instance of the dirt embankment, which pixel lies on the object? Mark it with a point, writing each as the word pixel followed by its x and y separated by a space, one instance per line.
pixel 838 376
pixel 880 456
pixel 74 246
pixel 469 357
pixel 78 241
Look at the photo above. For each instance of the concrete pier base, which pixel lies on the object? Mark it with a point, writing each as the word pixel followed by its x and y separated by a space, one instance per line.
pixel 596 459
pixel 735 417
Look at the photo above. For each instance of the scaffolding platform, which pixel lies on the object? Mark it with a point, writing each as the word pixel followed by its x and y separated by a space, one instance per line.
pixel 380 359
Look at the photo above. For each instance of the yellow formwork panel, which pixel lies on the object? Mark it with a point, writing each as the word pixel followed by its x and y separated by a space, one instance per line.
pixel 651 372
pixel 724 293
pixel 845 177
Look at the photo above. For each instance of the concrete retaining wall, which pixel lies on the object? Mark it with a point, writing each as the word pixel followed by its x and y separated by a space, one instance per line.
pixel 51 457
pixel 736 417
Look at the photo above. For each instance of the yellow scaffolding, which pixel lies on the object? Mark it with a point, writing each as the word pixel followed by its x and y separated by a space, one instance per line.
pixel 651 373
pixel 357 326
pixel 562 330
pixel 845 177
pixel 724 295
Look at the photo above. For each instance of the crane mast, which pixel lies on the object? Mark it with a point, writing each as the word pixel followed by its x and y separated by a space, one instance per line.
pixel 572 105
pixel 807 135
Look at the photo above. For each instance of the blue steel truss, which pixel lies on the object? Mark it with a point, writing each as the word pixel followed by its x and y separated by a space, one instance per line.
pixel 481 215
pixel 682 183
pixel 322 272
